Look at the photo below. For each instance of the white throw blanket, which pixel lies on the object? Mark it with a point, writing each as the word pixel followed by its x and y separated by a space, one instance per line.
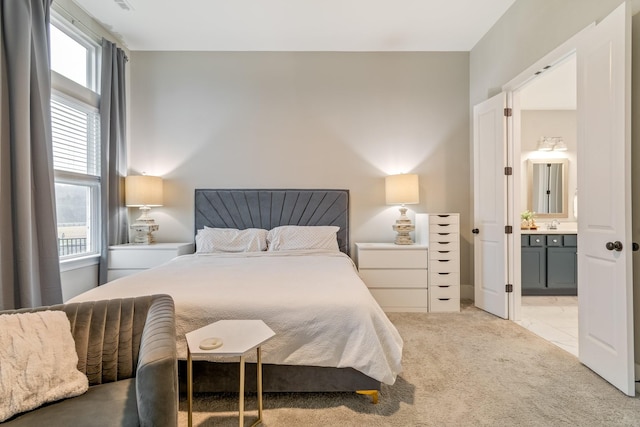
pixel 38 361
pixel 315 302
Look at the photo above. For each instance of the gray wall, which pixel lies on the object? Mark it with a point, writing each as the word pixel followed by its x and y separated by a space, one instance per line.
pixel 303 120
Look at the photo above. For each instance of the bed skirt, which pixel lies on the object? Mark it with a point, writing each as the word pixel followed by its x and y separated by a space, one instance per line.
pixel 225 377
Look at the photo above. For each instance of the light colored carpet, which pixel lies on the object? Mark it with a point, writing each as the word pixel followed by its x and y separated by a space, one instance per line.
pixel 460 369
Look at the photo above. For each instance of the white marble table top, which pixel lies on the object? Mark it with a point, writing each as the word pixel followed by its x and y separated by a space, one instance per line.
pixel 238 337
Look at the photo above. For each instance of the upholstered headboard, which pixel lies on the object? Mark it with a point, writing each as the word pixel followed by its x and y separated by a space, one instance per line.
pixel 270 208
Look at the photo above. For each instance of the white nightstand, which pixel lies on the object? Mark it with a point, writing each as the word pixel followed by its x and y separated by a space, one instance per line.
pixel 132 258
pixel 396 275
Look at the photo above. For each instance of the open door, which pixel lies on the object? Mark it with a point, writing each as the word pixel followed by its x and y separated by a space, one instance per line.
pixel 490 205
pixel 605 293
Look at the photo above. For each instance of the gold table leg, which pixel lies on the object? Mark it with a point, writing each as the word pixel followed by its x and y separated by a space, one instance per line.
pixel 189 389
pixel 241 410
pixel 259 381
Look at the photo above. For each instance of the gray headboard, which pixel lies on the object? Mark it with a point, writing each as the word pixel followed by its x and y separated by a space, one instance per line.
pixel 270 208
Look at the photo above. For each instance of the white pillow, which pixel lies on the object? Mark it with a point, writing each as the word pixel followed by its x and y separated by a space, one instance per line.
pixel 230 240
pixel 38 361
pixel 295 237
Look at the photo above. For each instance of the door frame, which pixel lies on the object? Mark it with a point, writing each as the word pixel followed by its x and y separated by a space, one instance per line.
pixel 512 89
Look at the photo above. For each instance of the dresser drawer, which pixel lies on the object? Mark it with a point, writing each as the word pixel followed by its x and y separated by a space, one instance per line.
pixel 443 228
pixel 443 237
pixel 399 299
pixel 390 258
pixel 444 246
pixel 444 278
pixel 444 266
pixel 443 219
pixel 444 255
pixel 139 259
pixel 444 304
pixel 444 292
pixel 386 278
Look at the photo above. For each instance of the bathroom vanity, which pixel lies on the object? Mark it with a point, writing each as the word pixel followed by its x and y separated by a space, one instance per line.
pixel 549 262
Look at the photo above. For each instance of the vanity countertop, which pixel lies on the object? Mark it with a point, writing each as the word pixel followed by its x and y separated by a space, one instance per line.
pixel 544 230
pixel 563 228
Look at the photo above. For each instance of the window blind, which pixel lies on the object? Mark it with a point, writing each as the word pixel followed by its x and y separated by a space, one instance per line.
pixel 76 136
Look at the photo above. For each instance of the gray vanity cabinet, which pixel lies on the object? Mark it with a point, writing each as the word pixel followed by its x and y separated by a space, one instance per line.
pixel 549 264
pixel 533 263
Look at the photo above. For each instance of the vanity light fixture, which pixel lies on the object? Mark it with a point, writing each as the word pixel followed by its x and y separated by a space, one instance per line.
pixel 144 192
pixel 402 190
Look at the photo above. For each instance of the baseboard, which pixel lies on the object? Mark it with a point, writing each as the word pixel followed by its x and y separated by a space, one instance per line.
pixel 466 292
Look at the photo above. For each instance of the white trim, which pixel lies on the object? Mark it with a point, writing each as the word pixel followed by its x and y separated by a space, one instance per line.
pixel 77 263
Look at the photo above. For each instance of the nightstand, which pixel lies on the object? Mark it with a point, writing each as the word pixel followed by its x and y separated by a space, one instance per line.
pixel 396 275
pixel 132 258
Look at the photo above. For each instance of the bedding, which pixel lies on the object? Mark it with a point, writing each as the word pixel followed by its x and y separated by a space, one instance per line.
pixel 296 237
pixel 231 240
pixel 321 311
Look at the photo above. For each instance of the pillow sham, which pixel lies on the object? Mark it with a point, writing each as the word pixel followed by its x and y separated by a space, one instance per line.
pixel 210 240
pixel 297 237
pixel 38 361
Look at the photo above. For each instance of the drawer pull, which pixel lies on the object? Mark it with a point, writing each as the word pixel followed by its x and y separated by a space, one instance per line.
pixel 443 274
pixel 555 240
pixel 444 299
pixel 444 260
pixel 443 286
pixel 444 243
pixel 537 240
pixel 443 252
pixel 443 234
pixel 444 225
pixel 443 216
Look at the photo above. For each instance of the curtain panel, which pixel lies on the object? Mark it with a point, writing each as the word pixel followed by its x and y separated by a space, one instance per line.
pixel 114 162
pixel 29 263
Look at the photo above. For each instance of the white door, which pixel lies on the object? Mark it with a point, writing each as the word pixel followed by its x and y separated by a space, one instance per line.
pixel 490 205
pixel 604 183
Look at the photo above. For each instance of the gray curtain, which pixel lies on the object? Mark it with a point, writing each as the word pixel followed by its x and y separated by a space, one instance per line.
pixel 114 161
pixel 29 264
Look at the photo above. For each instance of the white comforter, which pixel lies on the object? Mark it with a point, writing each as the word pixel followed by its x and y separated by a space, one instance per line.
pixel 320 310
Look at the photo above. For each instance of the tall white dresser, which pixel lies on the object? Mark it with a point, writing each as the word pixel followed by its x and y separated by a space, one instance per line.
pixel 444 262
pixel 396 275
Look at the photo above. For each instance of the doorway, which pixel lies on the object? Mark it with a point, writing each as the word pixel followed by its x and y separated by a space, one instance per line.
pixel 548 177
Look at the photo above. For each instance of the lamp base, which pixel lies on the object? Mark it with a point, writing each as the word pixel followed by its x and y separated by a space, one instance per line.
pixel 143 232
pixel 403 227
pixel 403 237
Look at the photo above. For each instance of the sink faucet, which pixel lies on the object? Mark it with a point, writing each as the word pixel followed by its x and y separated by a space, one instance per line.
pixel 553 225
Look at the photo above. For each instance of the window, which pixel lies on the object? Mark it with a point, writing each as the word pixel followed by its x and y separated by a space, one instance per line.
pixel 75 123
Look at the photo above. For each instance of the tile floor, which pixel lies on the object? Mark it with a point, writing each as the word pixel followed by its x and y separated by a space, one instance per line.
pixel 554 318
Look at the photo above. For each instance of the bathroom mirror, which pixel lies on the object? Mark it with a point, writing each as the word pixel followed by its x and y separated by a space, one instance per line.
pixel 547 185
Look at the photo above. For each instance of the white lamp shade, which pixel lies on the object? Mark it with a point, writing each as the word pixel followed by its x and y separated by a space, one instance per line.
pixel 143 190
pixel 402 189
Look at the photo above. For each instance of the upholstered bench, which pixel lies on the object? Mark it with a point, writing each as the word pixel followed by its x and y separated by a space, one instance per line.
pixel 127 349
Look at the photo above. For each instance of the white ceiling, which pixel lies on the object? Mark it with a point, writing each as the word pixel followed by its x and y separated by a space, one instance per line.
pixel 298 25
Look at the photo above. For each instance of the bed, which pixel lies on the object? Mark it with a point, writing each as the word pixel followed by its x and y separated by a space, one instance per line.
pixel 331 335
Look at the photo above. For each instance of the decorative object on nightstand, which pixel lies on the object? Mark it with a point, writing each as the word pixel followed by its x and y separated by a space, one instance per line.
pixel 145 192
pixel 402 190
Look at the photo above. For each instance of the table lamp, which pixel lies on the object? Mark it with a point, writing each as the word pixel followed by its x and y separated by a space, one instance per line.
pixel 402 190
pixel 145 192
